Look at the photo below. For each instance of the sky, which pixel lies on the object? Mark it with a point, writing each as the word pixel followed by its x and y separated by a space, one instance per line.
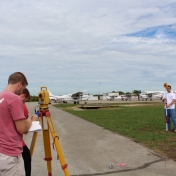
pixel 95 45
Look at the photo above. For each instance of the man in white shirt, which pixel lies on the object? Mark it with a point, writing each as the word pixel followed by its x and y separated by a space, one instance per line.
pixel 169 98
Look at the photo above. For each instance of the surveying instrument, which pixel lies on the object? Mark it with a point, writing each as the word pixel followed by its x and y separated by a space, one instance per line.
pixel 47 129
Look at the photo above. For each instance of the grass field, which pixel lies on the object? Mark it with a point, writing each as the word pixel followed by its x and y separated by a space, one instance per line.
pixel 144 124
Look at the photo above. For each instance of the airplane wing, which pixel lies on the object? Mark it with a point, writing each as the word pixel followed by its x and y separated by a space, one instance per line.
pixel 153 92
pixel 78 94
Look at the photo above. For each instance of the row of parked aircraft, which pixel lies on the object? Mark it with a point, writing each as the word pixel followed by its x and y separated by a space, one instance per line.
pixel 146 95
pixel 79 96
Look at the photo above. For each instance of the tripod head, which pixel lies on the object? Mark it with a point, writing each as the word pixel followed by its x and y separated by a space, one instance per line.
pixel 43 98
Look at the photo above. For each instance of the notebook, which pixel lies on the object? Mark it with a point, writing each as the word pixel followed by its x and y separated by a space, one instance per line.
pixel 35 126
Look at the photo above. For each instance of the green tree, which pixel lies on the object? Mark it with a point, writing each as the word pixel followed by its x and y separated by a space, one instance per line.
pixel 120 92
pixel 33 98
pixel 137 92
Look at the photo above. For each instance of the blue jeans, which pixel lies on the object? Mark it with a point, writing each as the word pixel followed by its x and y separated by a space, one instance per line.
pixel 170 115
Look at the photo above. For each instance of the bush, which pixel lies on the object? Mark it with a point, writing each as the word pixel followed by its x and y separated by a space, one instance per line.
pixel 33 98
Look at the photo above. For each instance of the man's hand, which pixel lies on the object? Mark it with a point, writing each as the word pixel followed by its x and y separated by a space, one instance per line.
pixel 34 118
pixel 167 105
pixel 170 104
pixel 164 100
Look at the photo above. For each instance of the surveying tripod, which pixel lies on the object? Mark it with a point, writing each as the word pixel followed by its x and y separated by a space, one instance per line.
pixel 47 128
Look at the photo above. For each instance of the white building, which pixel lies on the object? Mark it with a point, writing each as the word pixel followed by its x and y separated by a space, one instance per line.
pixel 92 97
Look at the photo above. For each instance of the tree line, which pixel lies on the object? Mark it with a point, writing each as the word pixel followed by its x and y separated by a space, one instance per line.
pixel 33 98
pixel 135 92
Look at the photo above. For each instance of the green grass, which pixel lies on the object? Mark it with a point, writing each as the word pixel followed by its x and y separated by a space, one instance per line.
pixel 144 124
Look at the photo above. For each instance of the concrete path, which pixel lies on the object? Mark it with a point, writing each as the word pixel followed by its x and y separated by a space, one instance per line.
pixel 89 149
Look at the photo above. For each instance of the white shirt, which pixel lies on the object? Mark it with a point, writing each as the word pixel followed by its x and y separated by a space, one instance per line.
pixel 169 97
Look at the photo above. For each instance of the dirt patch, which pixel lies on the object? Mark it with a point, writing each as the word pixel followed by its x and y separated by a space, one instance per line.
pixel 137 105
pixel 110 108
pixel 76 108
pixel 168 151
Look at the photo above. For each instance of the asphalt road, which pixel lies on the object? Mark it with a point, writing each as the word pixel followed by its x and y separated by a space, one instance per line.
pixel 89 149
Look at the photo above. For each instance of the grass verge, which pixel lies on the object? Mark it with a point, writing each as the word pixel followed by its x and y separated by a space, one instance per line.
pixel 144 124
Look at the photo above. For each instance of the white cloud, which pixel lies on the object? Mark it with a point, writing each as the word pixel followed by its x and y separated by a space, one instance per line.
pixel 75 45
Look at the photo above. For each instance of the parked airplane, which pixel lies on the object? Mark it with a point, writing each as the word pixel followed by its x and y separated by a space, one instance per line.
pixel 126 97
pixel 113 97
pixel 145 96
pixel 148 95
pixel 75 97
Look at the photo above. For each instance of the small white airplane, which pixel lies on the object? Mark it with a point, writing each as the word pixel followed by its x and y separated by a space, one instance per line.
pixel 148 95
pixel 126 97
pixel 113 97
pixel 75 97
pixel 145 96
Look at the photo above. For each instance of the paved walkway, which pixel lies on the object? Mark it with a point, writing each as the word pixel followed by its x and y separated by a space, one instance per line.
pixel 89 149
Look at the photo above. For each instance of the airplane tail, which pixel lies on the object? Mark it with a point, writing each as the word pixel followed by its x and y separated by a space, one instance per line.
pixel 50 94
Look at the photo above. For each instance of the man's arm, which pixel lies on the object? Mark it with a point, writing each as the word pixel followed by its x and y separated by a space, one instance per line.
pixel 171 103
pixel 24 125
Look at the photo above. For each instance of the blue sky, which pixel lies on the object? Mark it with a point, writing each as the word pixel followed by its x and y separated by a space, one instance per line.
pixel 70 46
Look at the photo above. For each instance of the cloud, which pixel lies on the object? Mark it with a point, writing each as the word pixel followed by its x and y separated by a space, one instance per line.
pixel 75 45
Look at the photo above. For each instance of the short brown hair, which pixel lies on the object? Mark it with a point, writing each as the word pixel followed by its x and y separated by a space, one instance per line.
pixel 26 92
pixel 17 77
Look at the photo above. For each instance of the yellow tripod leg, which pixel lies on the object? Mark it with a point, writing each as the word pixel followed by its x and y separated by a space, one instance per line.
pixel 34 138
pixel 33 142
pixel 57 144
pixel 47 148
